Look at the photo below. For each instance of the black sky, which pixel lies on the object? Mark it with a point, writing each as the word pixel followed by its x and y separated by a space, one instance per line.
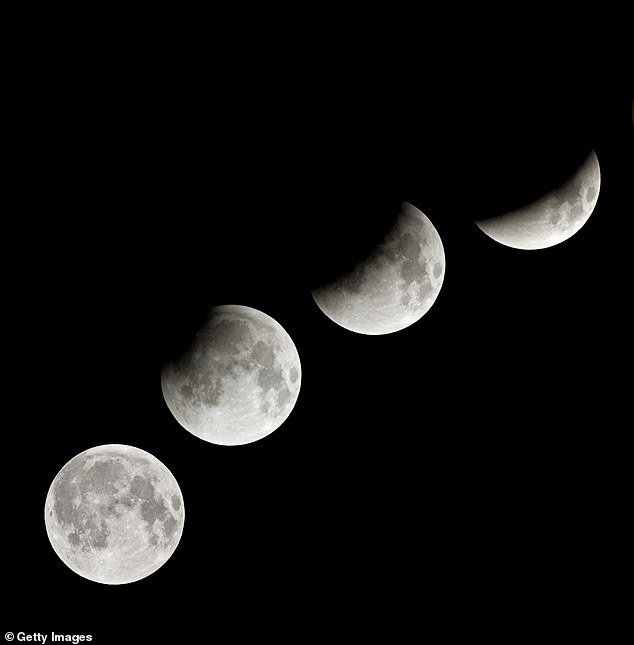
pixel 245 164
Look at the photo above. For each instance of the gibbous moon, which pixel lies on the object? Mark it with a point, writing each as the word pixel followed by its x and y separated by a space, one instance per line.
pixel 239 379
pixel 395 285
pixel 553 218
pixel 114 514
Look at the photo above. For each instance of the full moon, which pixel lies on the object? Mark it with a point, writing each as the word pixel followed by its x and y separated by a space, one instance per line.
pixel 553 218
pixel 239 379
pixel 395 285
pixel 114 514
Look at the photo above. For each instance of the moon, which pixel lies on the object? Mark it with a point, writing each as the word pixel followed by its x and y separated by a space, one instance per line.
pixel 395 285
pixel 553 218
pixel 114 514
pixel 239 379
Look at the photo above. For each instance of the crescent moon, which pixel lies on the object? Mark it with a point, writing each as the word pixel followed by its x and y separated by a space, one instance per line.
pixel 553 218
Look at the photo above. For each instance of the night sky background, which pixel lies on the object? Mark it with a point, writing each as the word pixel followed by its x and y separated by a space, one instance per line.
pixel 170 164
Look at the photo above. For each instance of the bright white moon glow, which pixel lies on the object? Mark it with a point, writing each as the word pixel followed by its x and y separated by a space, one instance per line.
pixel 114 514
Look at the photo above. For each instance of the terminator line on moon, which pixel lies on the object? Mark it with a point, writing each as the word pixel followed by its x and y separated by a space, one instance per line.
pixel 114 514
pixel 553 218
pixel 395 285
pixel 239 379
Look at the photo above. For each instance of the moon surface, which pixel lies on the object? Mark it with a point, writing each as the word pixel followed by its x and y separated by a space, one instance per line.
pixel 553 218
pixel 395 285
pixel 114 514
pixel 239 379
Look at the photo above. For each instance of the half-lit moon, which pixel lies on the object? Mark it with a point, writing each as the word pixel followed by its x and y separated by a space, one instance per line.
pixel 395 285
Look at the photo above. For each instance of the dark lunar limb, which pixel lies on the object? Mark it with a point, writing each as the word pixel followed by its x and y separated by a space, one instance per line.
pixel 355 279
